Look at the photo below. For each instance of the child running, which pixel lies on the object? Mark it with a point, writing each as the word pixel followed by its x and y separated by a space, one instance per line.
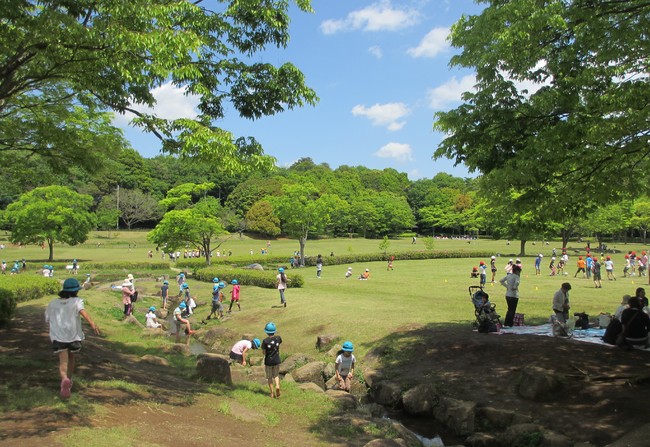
pixel 66 331
pixel 271 349
pixel 234 295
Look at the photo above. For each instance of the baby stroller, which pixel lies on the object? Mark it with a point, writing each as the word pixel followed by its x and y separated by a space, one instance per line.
pixel 487 319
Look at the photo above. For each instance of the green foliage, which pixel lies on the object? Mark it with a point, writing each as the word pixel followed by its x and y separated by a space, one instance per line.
pixel 384 244
pixel 70 62
pixel 15 289
pixel 247 277
pixel 260 219
pixel 429 243
pixel 51 214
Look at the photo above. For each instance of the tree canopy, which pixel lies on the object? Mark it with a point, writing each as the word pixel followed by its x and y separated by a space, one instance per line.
pixel 70 62
pixel 51 214
pixel 560 99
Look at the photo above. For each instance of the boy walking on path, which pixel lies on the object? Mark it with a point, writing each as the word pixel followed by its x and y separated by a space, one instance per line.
pixel 271 350
pixel 63 316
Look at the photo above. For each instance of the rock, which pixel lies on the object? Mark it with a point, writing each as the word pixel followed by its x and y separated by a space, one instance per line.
pixel 372 409
pixel 522 434
pixel 288 378
pixel 488 418
pixel 310 386
pixel 162 314
pixel 404 433
pixel 132 320
pixel 214 368
pixel 420 399
pixel 293 361
pixel 323 341
pixel 387 443
pixel 552 439
pixel 482 440
pixel 180 348
pixel 331 384
pixel 329 371
pixel 537 384
pixel 345 400
pixel 154 360
pixel 151 332
pixel 334 351
pixel 217 334
pixel 387 393
pixel 457 415
pixel 311 372
pixel 372 377
pixel 636 438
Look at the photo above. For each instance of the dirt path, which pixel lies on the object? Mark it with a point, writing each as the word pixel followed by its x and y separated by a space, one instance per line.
pixel 597 404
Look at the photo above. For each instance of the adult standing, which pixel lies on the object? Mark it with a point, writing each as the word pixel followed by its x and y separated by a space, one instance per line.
pixel 511 283
pixel 561 303
pixel 281 284
pixel 127 293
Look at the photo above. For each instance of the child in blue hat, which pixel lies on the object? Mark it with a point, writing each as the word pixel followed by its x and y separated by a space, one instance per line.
pixel 345 366
pixel 63 316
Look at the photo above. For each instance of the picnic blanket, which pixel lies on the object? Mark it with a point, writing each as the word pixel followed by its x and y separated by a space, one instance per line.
pixel 591 335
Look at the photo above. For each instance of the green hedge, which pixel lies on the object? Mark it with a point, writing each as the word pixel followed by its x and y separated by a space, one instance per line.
pixel 18 288
pixel 248 277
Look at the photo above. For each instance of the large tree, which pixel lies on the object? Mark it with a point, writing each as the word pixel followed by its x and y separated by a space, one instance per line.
pixel 581 123
pixel 64 63
pixel 51 214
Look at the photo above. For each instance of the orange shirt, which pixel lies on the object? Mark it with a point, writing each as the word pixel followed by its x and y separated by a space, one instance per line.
pixel 581 263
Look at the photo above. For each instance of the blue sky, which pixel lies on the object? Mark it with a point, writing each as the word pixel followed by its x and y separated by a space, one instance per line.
pixel 380 69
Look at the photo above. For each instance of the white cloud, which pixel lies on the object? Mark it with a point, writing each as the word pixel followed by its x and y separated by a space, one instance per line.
pixel 434 43
pixel 381 16
pixel 388 115
pixel 171 103
pixel 375 51
pixel 400 152
pixel 450 92
pixel 415 174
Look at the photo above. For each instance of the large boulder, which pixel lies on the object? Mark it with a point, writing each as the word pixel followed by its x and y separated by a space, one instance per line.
pixel 134 321
pixel 388 394
pixel 213 368
pixel 323 342
pixel 335 350
pixel 420 399
pixel 522 434
pixel 372 377
pixel 387 443
pixel 344 400
pixel 222 335
pixel 638 437
pixel 310 386
pixel 482 440
pixel 311 372
pixel 457 415
pixel 154 360
pixel 293 361
pixel 489 418
pixel 538 384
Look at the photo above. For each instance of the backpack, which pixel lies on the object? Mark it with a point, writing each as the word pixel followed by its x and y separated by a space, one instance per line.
pixel 134 297
pixel 614 328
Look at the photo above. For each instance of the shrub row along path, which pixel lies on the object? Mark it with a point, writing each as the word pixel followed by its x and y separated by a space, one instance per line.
pixel 605 393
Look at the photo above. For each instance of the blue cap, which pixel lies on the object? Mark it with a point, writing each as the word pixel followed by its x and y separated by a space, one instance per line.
pixel 256 343
pixel 152 308
pixel 185 285
pixel 182 305
pixel 281 270
pixel 215 279
pixel 234 281
pixel 348 347
pixel 269 328
pixel 71 285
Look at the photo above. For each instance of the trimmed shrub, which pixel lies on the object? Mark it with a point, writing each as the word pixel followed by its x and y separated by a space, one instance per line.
pixel 18 288
pixel 248 277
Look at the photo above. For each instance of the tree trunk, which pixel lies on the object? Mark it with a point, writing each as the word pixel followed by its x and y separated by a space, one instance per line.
pixel 522 247
pixel 50 244
pixel 302 240
pixel 208 253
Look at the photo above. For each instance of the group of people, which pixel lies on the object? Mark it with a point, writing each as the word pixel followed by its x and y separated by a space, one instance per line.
pixel 630 324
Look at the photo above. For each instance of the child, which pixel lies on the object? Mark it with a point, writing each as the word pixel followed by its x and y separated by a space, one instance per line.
pixel 164 293
pixel 152 321
pixel 348 273
pixel 217 300
pixel 180 321
pixel 538 264
pixel 493 266
pixel 390 263
pixel 474 272
pixel 187 297
pixel 345 366
pixel 281 285
pixel 319 265
pixel 234 295
pixel 4 267
pixel 365 275
pixel 180 280
pixel 551 266
pixel 66 332
pixel 238 351
pixel 271 349
pixel 483 269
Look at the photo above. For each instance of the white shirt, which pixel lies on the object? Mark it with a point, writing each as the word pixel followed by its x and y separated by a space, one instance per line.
pixel 65 323
pixel 151 320
pixel 344 364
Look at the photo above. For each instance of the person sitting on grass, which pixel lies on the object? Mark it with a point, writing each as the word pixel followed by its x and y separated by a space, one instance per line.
pixel 152 320
pixel 365 275
pixel 239 350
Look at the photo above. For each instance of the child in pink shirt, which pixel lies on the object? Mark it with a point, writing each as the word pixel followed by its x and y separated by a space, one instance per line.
pixel 234 295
